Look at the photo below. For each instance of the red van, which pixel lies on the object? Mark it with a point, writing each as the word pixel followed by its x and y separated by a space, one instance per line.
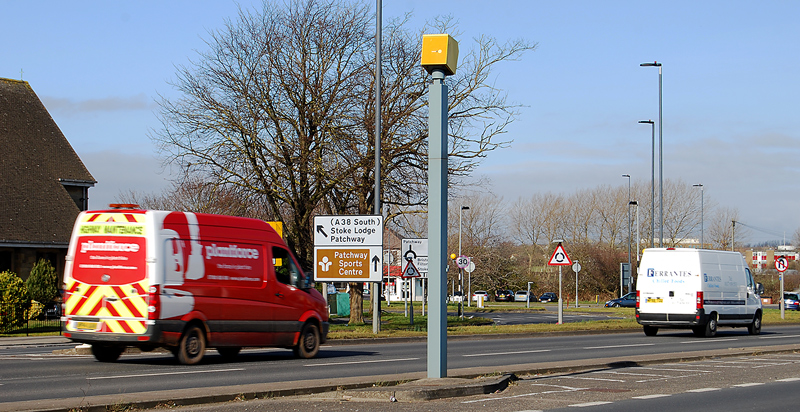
pixel 187 282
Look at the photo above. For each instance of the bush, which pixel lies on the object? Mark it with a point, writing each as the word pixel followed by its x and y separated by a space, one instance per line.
pixel 14 301
pixel 43 282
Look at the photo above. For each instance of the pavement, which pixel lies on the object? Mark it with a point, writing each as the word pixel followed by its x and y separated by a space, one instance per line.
pixel 409 387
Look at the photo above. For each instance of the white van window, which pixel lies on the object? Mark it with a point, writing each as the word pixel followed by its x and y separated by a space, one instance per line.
pixel 750 283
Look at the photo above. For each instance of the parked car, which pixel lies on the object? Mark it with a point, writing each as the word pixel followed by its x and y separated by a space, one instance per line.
pixel 626 301
pixel 483 293
pixel 504 295
pixel 457 296
pixel 791 301
pixel 548 297
pixel 523 295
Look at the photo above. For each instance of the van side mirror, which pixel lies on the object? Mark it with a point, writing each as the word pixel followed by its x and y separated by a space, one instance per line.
pixel 759 289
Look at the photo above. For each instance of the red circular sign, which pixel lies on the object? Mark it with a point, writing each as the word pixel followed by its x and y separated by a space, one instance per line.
pixel 781 264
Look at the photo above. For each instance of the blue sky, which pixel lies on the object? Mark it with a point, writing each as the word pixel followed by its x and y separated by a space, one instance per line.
pixel 730 90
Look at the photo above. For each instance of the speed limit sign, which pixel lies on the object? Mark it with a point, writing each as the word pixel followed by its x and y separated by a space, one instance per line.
pixel 462 261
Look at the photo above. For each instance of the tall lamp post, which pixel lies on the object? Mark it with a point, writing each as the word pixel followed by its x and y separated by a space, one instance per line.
pixel 652 180
pixel 660 152
pixel 460 271
pixel 702 214
pixel 629 218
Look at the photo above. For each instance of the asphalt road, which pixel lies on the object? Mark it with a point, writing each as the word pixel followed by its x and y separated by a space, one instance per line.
pixel 29 374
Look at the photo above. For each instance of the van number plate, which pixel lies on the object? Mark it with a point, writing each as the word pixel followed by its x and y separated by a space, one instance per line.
pixel 655 300
pixel 86 325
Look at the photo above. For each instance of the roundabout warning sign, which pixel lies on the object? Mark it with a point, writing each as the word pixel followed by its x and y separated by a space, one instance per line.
pixel 560 257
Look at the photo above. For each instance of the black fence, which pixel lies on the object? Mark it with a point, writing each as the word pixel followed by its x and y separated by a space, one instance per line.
pixel 35 318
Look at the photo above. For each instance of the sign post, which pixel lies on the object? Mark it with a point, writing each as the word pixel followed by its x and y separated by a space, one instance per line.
pixel 576 267
pixel 781 264
pixel 560 258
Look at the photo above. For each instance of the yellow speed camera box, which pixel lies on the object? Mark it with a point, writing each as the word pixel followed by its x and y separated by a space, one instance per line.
pixel 439 51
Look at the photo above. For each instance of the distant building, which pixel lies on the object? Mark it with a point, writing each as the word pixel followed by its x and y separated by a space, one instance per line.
pixel 43 182
pixel 765 259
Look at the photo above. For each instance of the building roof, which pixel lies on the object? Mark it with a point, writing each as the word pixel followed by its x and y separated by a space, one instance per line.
pixel 35 208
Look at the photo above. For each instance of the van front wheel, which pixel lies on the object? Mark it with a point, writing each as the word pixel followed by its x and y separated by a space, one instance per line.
pixel 308 345
pixel 192 346
pixel 754 328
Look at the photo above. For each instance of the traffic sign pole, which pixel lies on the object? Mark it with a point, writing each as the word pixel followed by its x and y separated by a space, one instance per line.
pixel 781 263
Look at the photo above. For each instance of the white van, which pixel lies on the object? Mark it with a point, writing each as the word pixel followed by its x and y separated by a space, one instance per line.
pixel 696 289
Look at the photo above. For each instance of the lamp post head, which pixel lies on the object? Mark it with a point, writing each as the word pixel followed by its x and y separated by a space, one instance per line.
pixel 628 176
pixel 698 185
pixel 464 207
pixel 653 64
pixel 646 122
pixel 557 241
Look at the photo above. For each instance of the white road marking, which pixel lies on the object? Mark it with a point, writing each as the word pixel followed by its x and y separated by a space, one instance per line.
pixel 789 380
pixel 507 353
pixel 593 379
pixel 583 405
pixel 562 390
pixel 165 373
pixel 779 337
pixel 359 362
pixel 620 346
pixel 653 396
pixel 707 341
pixel 703 390
pixel 746 385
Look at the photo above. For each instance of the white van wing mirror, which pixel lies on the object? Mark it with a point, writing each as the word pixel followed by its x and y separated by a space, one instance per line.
pixel 759 289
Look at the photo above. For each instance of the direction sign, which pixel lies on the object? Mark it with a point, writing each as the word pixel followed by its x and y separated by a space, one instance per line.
pixel 348 264
pixel 417 251
pixel 348 230
pixel 781 264
pixel 560 257
pixel 462 261
pixel 348 248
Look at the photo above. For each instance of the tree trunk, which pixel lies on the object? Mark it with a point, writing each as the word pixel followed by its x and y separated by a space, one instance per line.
pixel 356 304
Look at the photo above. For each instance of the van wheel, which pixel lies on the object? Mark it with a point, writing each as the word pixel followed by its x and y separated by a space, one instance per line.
pixel 754 328
pixel 192 346
pixel 308 345
pixel 229 353
pixel 650 330
pixel 107 353
pixel 711 327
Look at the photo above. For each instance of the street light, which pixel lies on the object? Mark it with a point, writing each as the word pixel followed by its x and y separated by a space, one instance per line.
pixel 660 151
pixel 460 271
pixel 702 215
pixel 652 180
pixel 629 218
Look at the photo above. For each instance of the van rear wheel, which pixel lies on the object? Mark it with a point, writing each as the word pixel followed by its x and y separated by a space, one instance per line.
pixel 192 346
pixel 650 330
pixel 711 327
pixel 107 353
pixel 308 345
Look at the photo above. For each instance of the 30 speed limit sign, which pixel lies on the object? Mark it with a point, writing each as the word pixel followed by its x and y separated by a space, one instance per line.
pixel 462 261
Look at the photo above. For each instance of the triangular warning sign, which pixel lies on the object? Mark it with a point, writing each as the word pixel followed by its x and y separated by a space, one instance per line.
pixel 560 257
pixel 410 271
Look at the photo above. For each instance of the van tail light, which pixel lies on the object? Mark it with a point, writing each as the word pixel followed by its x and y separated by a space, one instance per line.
pixel 699 300
pixel 153 303
pixel 637 299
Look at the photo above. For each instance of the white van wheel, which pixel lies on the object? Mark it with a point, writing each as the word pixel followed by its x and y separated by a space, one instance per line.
pixel 192 346
pixel 650 330
pixel 711 326
pixel 308 344
pixel 754 328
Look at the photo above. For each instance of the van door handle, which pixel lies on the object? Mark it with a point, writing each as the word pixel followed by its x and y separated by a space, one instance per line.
pixel 280 295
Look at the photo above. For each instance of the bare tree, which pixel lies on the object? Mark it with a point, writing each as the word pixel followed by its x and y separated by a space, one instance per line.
pixel 280 107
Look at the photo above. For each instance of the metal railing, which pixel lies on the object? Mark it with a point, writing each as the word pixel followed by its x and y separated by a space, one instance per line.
pixel 34 318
